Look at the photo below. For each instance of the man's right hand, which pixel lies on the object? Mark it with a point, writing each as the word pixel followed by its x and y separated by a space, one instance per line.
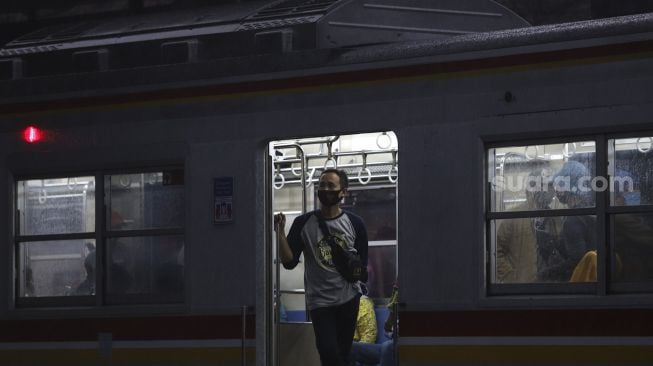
pixel 285 253
pixel 279 221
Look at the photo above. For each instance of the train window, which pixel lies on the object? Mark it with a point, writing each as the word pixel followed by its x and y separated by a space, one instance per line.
pixel 145 201
pixel 55 241
pixel 542 212
pixel 145 263
pixel 57 268
pixel 141 241
pixel 633 248
pixel 543 249
pixel 522 178
pixel 551 216
pixel 630 164
pixel 56 206
pixel 149 267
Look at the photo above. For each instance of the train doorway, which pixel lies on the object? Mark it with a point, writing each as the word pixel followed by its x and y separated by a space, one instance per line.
pixel 371 162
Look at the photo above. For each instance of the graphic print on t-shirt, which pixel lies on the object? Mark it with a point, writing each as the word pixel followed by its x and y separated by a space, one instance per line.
pixel 323 252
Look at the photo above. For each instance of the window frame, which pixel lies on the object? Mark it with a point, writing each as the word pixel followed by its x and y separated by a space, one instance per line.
pixel 603 210
pixel 101 234
pixel 627 288
pixel 599 211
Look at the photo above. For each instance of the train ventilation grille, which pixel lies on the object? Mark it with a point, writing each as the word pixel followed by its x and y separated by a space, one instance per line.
pixel 274 23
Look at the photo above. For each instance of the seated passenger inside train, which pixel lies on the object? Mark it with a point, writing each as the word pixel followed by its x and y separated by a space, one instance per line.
pixel 369 348
pixel 578 233
pixel 633 232
pixel 87 287
pixel 518 240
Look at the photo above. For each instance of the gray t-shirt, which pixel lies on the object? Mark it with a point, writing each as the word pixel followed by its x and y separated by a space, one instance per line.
pixel 325 286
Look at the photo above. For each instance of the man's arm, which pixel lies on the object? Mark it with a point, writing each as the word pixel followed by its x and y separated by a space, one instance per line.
pixel 285 254
pixel 290 247
pixel 361 239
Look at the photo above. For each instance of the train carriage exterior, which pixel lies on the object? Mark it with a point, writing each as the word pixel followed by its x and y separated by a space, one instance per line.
pixel 170 174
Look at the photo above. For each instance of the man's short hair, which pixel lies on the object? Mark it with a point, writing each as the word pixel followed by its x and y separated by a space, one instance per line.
pixel 344 179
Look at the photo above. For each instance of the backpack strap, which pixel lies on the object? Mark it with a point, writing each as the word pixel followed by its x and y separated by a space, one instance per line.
pixel 322 224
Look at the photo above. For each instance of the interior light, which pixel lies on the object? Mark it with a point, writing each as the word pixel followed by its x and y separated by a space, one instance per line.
pixel 32 134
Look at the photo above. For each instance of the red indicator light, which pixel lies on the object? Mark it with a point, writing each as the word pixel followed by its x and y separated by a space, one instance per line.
pixel 32 134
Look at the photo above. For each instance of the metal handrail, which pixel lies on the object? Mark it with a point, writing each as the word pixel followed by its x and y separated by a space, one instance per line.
pixel 316 141
pixel 502 165
pixel 337 154
pixel 303 161
pixel 350 165
pixel 373 177
pixel 364 152
pixel 295 291
pixel 332 157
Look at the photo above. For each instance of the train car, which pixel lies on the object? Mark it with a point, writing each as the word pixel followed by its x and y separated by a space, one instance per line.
pixel 143 158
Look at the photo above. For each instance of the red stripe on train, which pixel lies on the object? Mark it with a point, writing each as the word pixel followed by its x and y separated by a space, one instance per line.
pixel 127 329
pixel 533 323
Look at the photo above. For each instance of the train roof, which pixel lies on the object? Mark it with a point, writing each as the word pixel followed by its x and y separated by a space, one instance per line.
pixel 289 63
pixel 279 26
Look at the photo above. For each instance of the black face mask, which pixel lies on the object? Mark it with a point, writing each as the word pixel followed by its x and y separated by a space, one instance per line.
pixel 328 198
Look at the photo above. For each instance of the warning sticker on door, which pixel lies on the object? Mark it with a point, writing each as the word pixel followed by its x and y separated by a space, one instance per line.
pixel 223 192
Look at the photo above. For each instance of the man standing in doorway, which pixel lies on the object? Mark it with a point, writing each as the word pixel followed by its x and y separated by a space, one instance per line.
pixel 332 300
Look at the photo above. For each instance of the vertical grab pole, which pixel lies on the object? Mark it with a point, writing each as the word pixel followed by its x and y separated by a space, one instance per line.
pixel 243 313
pixel 277 299
pixel 395 333
pixel 277 270
pixel 304 163
pixel 304 167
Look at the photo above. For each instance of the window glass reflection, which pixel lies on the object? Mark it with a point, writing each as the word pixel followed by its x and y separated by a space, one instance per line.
pixel 537 177
pixel 151 265
pixel 545 249
pixel 378 208
pixel 631 169
pixel 56 206
pixel 57 268
pixel 145 201
pixel 633 248
pixel 381 270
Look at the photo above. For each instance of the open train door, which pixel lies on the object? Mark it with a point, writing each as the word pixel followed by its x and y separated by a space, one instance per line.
pixel 294 166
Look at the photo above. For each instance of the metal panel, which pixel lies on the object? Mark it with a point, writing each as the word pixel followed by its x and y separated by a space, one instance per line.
pixel 300 340
pixel 362 22
pixel 293 8
pixel 11 69
pixel 91 60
